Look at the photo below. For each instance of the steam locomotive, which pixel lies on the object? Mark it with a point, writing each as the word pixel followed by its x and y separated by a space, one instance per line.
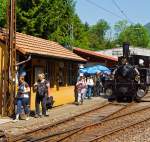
pixel 131 77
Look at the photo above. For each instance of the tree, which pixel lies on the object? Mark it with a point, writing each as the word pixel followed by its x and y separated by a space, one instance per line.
pixel 80 33
pixel 3 8
pixel 51 19
pixel 136 35
pixel 121 26
pixel 97 35
pixel 48 19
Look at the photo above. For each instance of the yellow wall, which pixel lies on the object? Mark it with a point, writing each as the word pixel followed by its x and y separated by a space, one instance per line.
pixel 63 96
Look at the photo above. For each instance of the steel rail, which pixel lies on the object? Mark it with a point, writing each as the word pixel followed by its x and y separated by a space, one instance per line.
pixel 99 123
pixel 48 126
pixel 118 129
pixel 78 129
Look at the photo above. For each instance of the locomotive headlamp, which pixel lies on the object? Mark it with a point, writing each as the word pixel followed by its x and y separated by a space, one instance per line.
pixel 137 78
pixel 108 92
pixel 140 93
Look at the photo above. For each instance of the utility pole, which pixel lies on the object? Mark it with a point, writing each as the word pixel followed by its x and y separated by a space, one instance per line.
pixel 71 35
pixel 10 61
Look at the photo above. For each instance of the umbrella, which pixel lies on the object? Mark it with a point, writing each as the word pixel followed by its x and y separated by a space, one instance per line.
pixel 84 70
pixel 103 68
pixel 95 69
pixel 92 70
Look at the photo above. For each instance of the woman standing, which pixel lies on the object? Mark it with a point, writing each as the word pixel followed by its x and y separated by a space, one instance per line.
pixel 23 98
pixel 42 88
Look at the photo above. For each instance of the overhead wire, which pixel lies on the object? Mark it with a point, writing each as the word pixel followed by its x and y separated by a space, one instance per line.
pixel 123 13
pixel 104 9
pixel 127 18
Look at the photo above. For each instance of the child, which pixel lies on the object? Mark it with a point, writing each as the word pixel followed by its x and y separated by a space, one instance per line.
pixel 81 86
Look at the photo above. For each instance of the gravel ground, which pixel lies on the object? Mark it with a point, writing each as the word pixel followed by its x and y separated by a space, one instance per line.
pixel 55 114
pixel 138 133
pixel 105 127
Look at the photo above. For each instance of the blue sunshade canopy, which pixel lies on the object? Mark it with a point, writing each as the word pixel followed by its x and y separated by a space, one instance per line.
pixel 95 69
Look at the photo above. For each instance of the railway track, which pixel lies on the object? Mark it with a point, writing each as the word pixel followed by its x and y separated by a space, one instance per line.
pixel 81 126
pixel 71 124
pixel 117 130
pixel 67 135
pixel 99 131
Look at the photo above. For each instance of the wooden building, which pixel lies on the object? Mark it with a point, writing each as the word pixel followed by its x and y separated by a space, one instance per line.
pixel 94 58
pixel 58 63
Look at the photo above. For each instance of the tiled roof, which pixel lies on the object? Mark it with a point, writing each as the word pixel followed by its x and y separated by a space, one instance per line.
pixel 93 53
pixel 27 44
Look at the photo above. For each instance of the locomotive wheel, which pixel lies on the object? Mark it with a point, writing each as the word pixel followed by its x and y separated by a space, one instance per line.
pixel 108 92
pixel 130 99
pixel 140 94
pixel 111 98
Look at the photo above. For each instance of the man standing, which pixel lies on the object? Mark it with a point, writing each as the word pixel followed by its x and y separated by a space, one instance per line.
pixel 98 85
pixel 42 88
pixel 90 84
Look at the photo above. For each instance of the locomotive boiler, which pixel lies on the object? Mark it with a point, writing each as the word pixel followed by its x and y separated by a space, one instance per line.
pixel 131 77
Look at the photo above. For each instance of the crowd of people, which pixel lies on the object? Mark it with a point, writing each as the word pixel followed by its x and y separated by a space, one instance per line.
pixel 85 88
pixel 90 85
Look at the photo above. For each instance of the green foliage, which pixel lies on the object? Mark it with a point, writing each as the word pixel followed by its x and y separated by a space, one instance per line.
pixel 147 26
pixel 136 35
pixel 97 35
pixel 48 19
pixel 80 33
pixel 57 20
pixel 120 26
pixel 3 8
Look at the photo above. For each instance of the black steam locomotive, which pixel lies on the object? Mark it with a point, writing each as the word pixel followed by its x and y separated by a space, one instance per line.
pixel 131 77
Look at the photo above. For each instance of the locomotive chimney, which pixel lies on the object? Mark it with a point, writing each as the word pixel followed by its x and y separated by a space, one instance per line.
pixel 125 49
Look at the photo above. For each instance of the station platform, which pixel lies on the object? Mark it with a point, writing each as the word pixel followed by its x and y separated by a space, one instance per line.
pixel 55 114
pixel 4 120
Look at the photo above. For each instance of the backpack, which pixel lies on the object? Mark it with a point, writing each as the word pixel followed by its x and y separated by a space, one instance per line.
pixel 49 103
pixel 41 89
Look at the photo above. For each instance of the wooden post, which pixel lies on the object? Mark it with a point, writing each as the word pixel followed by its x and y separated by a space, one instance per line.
pixel 10 64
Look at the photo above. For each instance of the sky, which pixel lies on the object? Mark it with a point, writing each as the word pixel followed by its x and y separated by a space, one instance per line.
pixel 136 11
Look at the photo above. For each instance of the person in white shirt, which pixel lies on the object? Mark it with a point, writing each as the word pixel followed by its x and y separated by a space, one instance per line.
pixel 90 84
pixel 22 98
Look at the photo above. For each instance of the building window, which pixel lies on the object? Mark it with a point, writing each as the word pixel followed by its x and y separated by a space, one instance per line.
pixel 50 71
pixel 61 74
pixel 72 74
pixel 117 53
